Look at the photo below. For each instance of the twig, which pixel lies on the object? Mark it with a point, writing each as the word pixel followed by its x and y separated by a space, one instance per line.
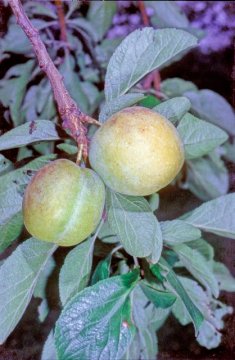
pixel 60 12
pixel 155 75
pixel 72 117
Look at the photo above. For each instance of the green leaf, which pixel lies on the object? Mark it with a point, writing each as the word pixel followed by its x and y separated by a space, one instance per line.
pixel 5 165
pixel 102 309
pixel 173 109
pixel 199 137
pixel 141 52
pixel 10 230
pixel 167 14
pixel 75 272
pixel 16 41
pixel 207 178
pixel 198 266
pixel 113 106
pixel 211 106
pixel 49 349
pixel 68 148
pixel 28 133
pixel 17 89
pixel 150 101
pixel 40 288
pixel 177 232
pixel 132 220
pixel 101 15
pixel 18 277
pixel 107 235
pixel 159 298
pixel 73 83
pixel 102 270
pixel 12 185
pixel 154 201
pixel 203 247
pixel 229 151
pixel 177 87
pixel 224 277
pixel 172 279
pixel 215 216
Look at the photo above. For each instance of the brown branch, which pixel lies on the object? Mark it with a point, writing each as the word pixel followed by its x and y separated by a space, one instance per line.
pixel 72 117
pixel 143 12
pixel 60 12
pixel 155 75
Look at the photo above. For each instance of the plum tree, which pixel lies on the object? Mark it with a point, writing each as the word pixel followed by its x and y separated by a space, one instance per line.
pixel 137 151
pixel 63 203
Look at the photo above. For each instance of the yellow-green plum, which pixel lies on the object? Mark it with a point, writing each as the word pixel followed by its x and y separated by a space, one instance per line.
pixel 63 203
pixel 137 151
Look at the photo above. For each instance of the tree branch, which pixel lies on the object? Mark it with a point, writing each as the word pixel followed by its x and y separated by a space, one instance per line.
pixel 60 12
pixel 155 75
pixel 72 117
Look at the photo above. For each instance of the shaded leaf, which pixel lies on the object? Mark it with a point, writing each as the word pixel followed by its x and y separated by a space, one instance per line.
pixel 177 231
pixel 159 298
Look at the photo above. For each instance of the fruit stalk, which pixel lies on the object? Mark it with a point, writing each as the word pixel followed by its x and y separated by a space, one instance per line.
pixel 72 117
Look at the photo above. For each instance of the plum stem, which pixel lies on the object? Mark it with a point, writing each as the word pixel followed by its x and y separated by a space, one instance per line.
pixel 72 117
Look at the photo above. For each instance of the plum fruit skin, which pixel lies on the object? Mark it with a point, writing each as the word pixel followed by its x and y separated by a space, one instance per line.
pixel 63 203
pixel 136 152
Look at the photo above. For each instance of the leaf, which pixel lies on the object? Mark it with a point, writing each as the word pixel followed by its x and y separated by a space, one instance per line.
pixel 101 15
pixel 107 235
pixel 177 232
pixel 18 277
pixel 75 272
pixel 197 265
pixel 17 89
pixel 150 101
pixel 5 165
pixel 215 216
pixel 199 137
pixel 224 277
pixel 113 106
pixel 159 298
pixel 211 106
pixel 207 178
pixel 131 218
pixel 173 109
pixel 16 41
pixel 49 349
pixel 141 52
pixel 229 151
pixel 28 133
pixel 194 312
pixel 40 288
pixel 209 336
pixel 12 185
pixel 203 247
pixel 168 14
pixel 93 311
pixel 68 148
pixel 177 87
pixel 10 230
pixel 102 270
pixel 73 83
pixel 154 201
